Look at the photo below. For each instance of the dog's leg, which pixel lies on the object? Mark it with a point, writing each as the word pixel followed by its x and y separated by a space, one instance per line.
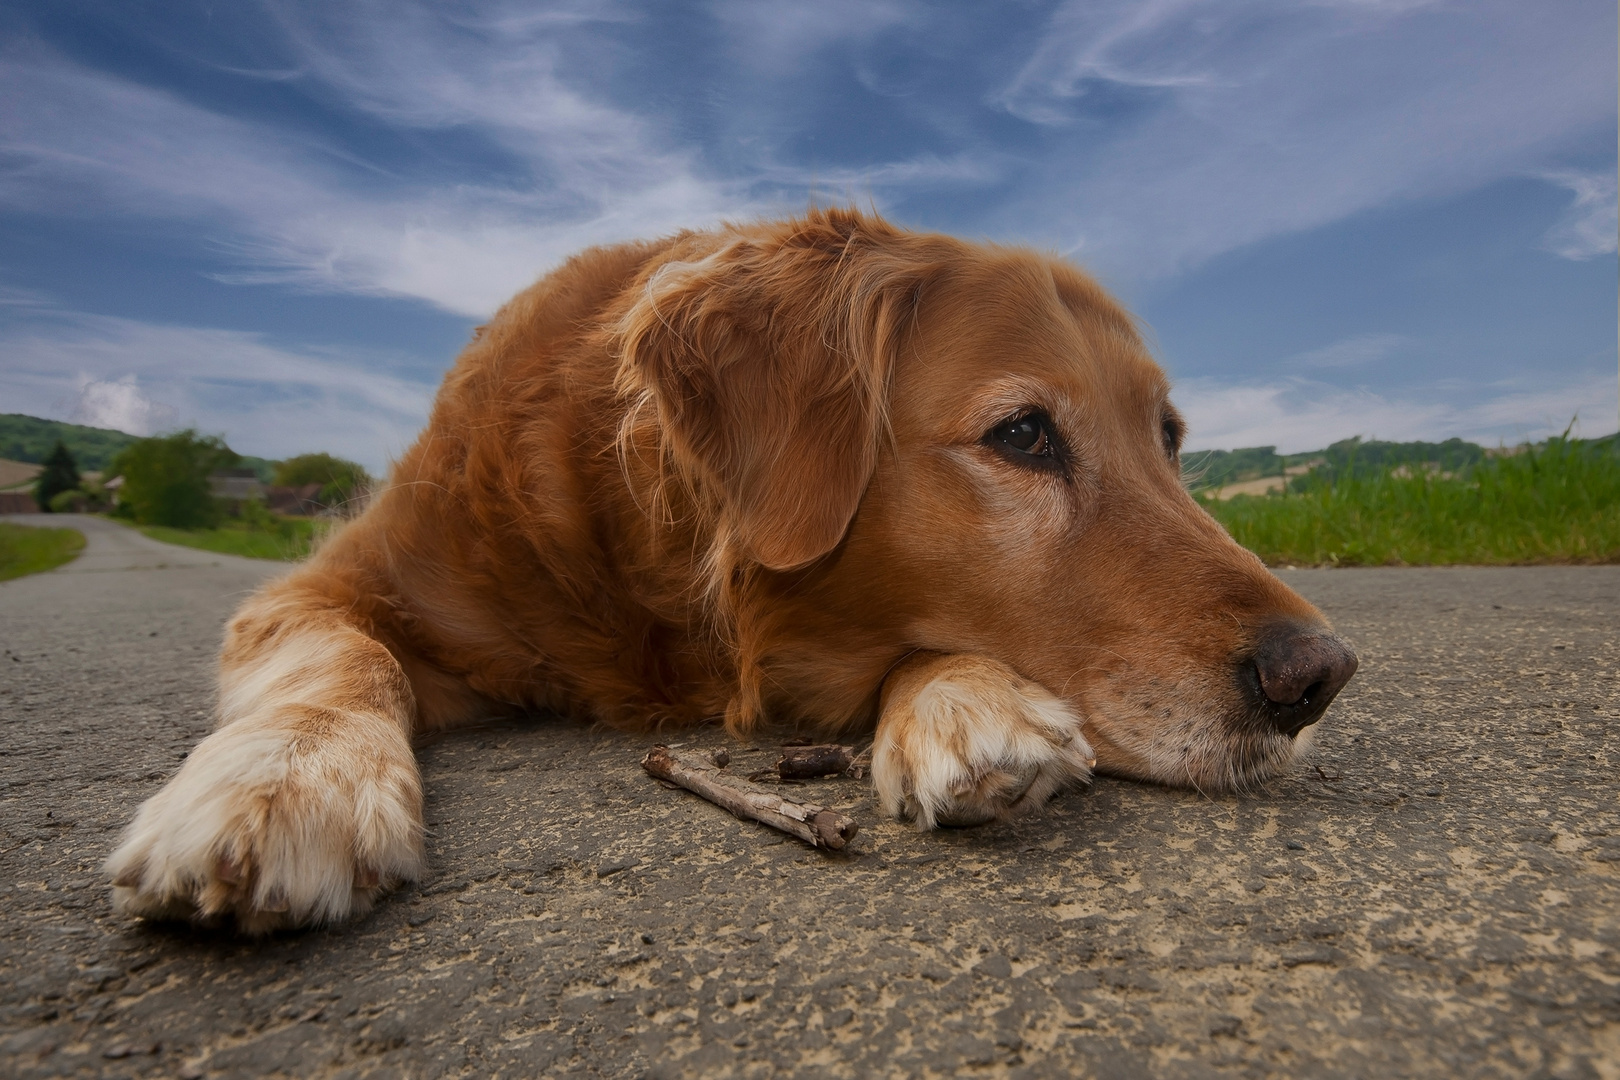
pixel 305 803
pixel 962 740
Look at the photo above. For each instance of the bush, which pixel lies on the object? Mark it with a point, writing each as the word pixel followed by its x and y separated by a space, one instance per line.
pixel 286 538
pixel 166 479
pixel 340 480
pixel 61 474
pixel 69 502
pixel 256 516
pixel 96 498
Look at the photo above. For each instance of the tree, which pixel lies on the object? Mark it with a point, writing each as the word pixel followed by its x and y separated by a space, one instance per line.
pixel 340 480
pixel 61 473
pixel 166 479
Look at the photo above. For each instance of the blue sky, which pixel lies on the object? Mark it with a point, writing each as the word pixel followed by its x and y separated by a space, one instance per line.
pixel 279 221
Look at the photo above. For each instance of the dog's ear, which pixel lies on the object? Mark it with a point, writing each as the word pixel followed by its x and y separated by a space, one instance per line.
pixel 767 356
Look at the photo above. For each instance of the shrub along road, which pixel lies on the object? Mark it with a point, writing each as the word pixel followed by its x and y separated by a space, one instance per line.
pixel 1439 897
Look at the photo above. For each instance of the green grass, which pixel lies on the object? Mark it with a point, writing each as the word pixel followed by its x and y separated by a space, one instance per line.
pixel 1557 503
pixel 289 539
pixel 25 549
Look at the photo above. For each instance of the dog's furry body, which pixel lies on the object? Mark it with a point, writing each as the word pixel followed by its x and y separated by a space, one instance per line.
pixel 771 470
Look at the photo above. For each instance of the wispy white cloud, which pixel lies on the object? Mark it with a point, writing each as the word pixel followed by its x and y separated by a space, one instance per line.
pixel 1297 414
pixel 1264 117
pixel 1591 225
pixel 1260 117
pixel 284 205
pixel 22 300
pixel 1358 350
pixel 288 207
pixel 923 169
pixel 268 400
pixel 781 37
pixel 1088 42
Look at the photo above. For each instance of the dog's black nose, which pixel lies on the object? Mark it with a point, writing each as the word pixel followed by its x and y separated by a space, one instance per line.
pixel 1296 670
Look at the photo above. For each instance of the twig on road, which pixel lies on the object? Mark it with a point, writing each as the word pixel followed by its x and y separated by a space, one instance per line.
pixel 827 759
pixel 815 825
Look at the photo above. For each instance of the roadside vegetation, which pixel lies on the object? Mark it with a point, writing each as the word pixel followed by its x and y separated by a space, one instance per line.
pixel 1558 502
pixel 166 480
pixel 285 538
pixel 25 549
pixel 189 489
pixel 167 492
pixel 339 482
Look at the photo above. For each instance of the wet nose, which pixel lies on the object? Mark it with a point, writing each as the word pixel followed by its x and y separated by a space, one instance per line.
pixel 1296 671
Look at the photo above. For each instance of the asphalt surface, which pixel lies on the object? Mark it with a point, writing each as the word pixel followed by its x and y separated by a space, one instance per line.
pixel 1436 896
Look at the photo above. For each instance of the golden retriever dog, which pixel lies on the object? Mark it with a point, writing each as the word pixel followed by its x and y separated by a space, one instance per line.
pixel 822 471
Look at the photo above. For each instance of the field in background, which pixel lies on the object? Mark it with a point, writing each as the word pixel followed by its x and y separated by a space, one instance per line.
pixel 288 539
pixel 25 549
pixel 16 475
pixel 1554 503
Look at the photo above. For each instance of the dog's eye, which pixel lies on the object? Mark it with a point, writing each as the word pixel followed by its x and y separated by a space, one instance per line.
pixel 1174 432
pixel 1029 434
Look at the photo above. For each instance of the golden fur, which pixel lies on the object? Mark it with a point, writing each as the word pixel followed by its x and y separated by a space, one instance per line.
pixel 740 474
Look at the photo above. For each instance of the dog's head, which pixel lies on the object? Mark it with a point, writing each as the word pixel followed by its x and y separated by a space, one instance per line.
pixel 934 445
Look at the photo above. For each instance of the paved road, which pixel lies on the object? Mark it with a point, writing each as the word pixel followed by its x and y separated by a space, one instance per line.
pixel 1439 899
pixel 111 547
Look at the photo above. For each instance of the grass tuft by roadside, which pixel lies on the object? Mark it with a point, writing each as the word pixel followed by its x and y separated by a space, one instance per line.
pixel 287 539
pixel 1556 503
pixel 26 549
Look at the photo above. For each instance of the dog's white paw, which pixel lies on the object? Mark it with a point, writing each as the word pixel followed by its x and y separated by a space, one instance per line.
pixel 964 740
pixel 295 818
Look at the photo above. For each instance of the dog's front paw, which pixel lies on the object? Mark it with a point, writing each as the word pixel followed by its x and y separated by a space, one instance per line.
pixel 297 818
pixel 964 740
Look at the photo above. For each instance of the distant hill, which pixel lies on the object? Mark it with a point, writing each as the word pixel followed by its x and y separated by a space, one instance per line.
pixel 1204 469
pixel 30 438
pixel 1356 456
pixel 1218 468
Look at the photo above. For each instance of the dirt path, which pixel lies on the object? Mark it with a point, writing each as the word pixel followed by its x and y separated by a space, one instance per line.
pixel 1439 899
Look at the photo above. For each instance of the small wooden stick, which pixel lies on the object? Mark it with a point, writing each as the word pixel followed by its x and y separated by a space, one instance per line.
pixel 827 759
pixel 815 825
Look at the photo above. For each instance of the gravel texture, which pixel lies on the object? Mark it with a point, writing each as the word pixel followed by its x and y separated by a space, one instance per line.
pixel 1436 894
